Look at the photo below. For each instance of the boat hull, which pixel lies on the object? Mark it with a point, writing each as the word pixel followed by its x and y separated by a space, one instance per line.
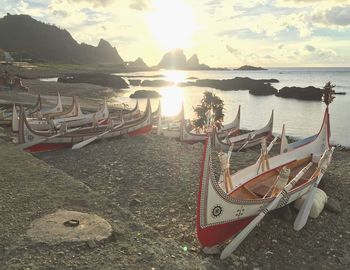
pixel 222 211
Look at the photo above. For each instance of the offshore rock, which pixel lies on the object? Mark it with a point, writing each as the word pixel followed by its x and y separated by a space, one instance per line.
pixel 145 94
pixel 102 79
pixel 304 93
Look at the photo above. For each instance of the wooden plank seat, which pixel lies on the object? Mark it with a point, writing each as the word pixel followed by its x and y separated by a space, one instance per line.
pixel 261 190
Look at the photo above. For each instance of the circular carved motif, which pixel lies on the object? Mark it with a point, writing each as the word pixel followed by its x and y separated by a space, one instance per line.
pixel 217 211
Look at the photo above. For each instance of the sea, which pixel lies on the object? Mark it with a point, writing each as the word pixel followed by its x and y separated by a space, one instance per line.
pixel 301 118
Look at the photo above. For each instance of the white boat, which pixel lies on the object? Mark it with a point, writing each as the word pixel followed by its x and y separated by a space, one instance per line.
pixel 228 207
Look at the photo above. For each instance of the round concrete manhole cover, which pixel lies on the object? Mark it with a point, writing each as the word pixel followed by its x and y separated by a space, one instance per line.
pixel 69 226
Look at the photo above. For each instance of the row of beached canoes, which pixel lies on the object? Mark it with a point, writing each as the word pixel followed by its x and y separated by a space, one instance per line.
pixel 55 128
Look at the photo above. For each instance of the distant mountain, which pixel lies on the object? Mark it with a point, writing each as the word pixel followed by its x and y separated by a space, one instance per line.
pixel 27 37
pixel 246 67
pixel 138 64
pixel 176 59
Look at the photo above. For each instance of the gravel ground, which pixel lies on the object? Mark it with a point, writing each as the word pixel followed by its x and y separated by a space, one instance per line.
pixel 31 189
pixel 156 178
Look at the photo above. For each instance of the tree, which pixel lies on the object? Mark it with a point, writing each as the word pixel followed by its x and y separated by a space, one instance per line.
pixel 328 93
pixel 210 111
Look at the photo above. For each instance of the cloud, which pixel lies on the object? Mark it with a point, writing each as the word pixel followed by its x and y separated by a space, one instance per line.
pixel 268 57
pixel 139 4
pixel 232 50
pixel 60 13
pixel 310 48
pixel 336 16
pixel 213 5
pixel 95 3
pixel 314 1
pixel 272 25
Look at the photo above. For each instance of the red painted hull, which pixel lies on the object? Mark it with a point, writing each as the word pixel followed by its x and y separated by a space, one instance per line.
pixel 141 131
pixel 216 235
pixel 45 147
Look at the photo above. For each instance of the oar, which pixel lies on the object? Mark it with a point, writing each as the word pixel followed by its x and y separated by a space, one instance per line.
pixel 268 149
pixel 249 138
pixel 90 140
pixel 230 153
pixel 244 233
pixel 305 209
pixel 29 144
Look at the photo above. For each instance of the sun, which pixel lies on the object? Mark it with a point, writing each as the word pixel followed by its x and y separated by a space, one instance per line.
pixel 172 24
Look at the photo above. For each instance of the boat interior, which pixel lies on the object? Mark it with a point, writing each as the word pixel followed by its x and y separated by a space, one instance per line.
pixel 261 186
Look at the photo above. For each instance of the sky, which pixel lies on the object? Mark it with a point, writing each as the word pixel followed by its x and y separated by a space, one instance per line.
pixel 223 33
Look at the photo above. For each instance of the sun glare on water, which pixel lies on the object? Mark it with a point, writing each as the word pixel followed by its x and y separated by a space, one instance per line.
pixel 172 98
pixel 175 76
pixel 172 24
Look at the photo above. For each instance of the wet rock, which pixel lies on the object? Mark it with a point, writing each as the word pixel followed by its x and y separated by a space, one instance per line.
pixel 107 80
pixel 333 205
pixel 211 250
pixel 145 94
pixel 237 83
pixel 156 83
pixel 161 227
pixel 134 202
pixel 116 235
pixel 91 244
pixel 264 90
pixel 207 265
pixel 345 260
pixel 134 82
pixel 304 93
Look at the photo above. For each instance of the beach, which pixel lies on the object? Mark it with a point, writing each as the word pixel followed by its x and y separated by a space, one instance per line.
pixel 146 187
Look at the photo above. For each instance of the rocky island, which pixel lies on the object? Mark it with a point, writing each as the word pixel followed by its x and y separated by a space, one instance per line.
pixel 101 79
pixel 257 87
pixel 303 93
pixel 145 94
pixel 247 67
pixel 176 59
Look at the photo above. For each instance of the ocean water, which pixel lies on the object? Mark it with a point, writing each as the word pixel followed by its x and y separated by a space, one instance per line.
pixel 302 118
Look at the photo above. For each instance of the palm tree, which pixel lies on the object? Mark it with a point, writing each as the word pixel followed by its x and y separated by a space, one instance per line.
pixel 209 112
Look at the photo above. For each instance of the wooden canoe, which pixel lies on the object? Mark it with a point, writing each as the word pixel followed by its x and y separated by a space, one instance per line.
pixel 135 127
pixel 245 140
pixel 226 208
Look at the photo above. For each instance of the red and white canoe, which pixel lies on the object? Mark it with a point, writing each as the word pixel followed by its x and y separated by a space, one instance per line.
pixel 230 128
pixel 245 140
pixel 48 141
pixel 225 209
pixel 170 128
pixel 6 117
pixel 40 123
pixel 57 109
